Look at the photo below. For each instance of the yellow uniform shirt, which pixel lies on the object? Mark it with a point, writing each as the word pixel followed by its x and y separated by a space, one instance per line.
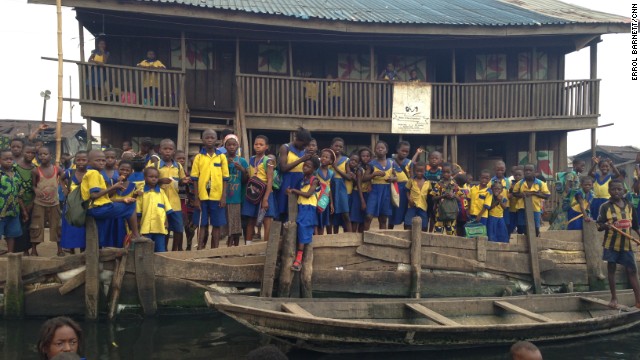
pixel 403 171
pixel 150 79
pixel 419 194
pixel 601 186
pixel 342 166
pixel 493 208
pixel 522 187
pixel 127 192
pixel 477 196
pixel 624 219
pixel 93 182
pixel 388 171
pixel 259 170
pixel 311 200
pixel 585 199
pixel 292 155
pixel 154 206
pixel 210 172
pixel 174 171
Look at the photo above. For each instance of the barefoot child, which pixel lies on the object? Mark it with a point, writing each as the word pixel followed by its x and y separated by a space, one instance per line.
pixel 210 174
pixel 379 202
pixel 46 178
pixel 261 168
pixel 154 208
pixel 535 188
pixel 171 176
pixel 324 175
pixel 238 176
pixel 307 202
pixel 23 169
pixel 186 200
pixel 495 204
pixel 402 168
pixel 73 236
pixel 9 206
pixel 580 208
pixel 618 217
pixel 341 187
pixel 416 191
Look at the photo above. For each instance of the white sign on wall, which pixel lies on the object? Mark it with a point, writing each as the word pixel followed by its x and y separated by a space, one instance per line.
pixel 411 111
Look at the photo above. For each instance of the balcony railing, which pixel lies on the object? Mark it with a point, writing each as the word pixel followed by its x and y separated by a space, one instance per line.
pixel 129 86
pixel 353 99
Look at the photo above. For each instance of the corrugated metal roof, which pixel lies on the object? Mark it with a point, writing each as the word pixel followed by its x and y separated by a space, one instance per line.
pixel 434 12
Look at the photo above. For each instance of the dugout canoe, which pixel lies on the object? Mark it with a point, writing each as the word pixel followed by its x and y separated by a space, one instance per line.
pixel 370 325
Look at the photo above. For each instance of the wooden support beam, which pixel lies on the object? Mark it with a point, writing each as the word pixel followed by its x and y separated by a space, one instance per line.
pixel 92 276
pixel 296 309
pixel 183 128
pixel 445 148
pixel 533 244
pixel 290 59
pixel 562 152
pixel 533 158
pixel 594 142
pixel 145 275
pixel 116 283
pixel 454 149
pixel 306 285
pixel 271 258
pixel 89 133
pixel 81 40
pixel 432 315
pixel 286 258
pixel 593 257
pixel 453 66
pixel 292 207
pixel 520 311
pixel 604 303
pixel 13 288
pixel 73 283
pixel 593 60
pixel 416 256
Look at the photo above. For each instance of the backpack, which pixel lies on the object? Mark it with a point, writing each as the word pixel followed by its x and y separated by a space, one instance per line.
pixel 561 178
pixel 448 209
pixel 76 211
pixel 322 196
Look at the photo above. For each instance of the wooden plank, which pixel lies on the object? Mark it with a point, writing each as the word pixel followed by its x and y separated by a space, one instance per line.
pixel 593 257
pixel 385 253
pixel 563 257
pixel 562 235
pixel 371 237
pixel 145 275
pixel 286 259
pixel 295 309
pixel 116 284
pixel 520 311
pixel 337 240
pixel 92 281
pixel 436 261
pixel 430 239
pixel 462 253
pixel 73 283
pixel 245 250
pixel 207 271
pixel 269 271
pixel 13 289
pixel 242 260
pixel 306 273
pixel 516 263
pixel 531 234
pixel 416 257
pixel 481 248
pixel 555 244
pixel 513 245
pixel 402 234
pixel 432 315
pixel 604 303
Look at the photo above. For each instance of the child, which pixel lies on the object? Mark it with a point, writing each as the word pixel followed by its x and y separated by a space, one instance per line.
pixel 110 173
pixel 445 191
pixel 617 214
pixel 46 204
pixel 186 199
pixel 417 190
pixel 127 194
pixel 291 157
pixel 147 152
pixel 150 80
pixel 500 169
pixel 533 187
pixel 517 173
pixel 402 169
pixel 433 175
pixel 9 205
pixel 23 170
pixel 210 174
pixel 324 175
pixel 379 202
pixel 580 207
pixel 339 190
pixel 261 168
pixel 312 148
pixel 601 183
pixel 73 236
pixel 171 175
pixel 16 146
pixel 463 216
pixel 494 204
pixel 238 175
pixel 155 208
pixel 94 189
pixel 136 176
pixel 477 196
pixel 359 203
pixel 307 202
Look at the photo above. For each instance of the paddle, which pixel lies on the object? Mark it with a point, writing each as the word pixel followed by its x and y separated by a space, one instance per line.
pixel 628 236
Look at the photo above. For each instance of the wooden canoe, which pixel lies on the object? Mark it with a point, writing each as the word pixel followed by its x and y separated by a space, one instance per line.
pixel 366 325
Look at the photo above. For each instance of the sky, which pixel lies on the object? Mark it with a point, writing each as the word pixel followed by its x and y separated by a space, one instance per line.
pixel 28 32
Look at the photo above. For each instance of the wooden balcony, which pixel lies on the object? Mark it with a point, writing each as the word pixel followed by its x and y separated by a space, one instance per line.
pixel 272 102
pixel 129 93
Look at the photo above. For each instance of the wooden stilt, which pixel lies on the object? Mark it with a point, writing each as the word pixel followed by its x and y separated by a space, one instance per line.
pixel 533 244
pixel 73 283
pixel 13 288
pixel 271 257
pixel 306 288
pixel 145 275
pixel 286 258
pixel 92 275
pixel 416 256
pixel 116 283
pixel 593 257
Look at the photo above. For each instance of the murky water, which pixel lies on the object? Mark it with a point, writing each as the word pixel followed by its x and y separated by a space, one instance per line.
pixel 214 336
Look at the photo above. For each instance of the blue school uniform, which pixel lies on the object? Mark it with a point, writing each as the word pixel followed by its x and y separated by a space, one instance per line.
pixel 339 188
pixel 600 191
pixel 496 227
pixel 574 215
pixel 356 214
pixel 72 236
pixel 290 179
pixel 307 219
pixel 402 172
pixel 324 218
pixel 379 201
pixel 259 170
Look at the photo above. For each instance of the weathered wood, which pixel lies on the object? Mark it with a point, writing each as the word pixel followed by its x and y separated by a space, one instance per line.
pixel 533 244
pixel 593 256
pixel 116 284
pixel 13 289
pixel 145 275
pixel 243 260
pixel 555 244
pixel 563 257
pixel 440 240
pixel 385 253
pixel 416 257
pixel 337 240
pixel 292 207
pixel 604 303
pixel 206 270
pixel 73 283
pixel 512 262
pixel 481 248
pixel 269 271
pixel 520 311
pixel 562 235
pixel 402 234
pixel 371 237
pixel 286 259
pixel 433 260
pixel 245 250
pixel 306 274
pixel 432 315
pixel 296 309
pixel 92 276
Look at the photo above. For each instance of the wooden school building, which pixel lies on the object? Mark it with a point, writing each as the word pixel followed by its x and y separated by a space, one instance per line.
pixel 496 69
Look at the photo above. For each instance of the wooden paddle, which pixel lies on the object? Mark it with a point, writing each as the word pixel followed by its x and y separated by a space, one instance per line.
pixel 623 233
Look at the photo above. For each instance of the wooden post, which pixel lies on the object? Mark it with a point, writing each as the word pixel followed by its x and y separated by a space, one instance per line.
pixel 92 275
pixel 81 40
pixel 116 284
pixel 454 149
pixel 533 158
pixel 593 256
pixel 593 60
pixel 445 148
pixel 533 244
pixel 240 118
pixel 290 60
pixel 593 142
pixel 286 258
pixel 183 128
pixel 145 275
pixel 562 153
pixel 306 287
pixel 89 135
pixel 416 256
pixel 60 79
pixel 271 258
pixel 453 66
pixel 13 289
pixel 292 207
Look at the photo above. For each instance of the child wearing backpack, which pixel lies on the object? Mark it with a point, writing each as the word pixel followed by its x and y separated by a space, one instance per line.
pixel 307 208
pixel 495 204
pixel 259 195
pixel 73 236
pixel 325 175
pixel 446 197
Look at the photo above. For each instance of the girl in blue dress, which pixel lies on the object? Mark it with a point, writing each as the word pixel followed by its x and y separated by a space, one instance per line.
pixel 73 237
pixel 379 201
pixel 341 187
pixel 290 160
pixel 325 175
